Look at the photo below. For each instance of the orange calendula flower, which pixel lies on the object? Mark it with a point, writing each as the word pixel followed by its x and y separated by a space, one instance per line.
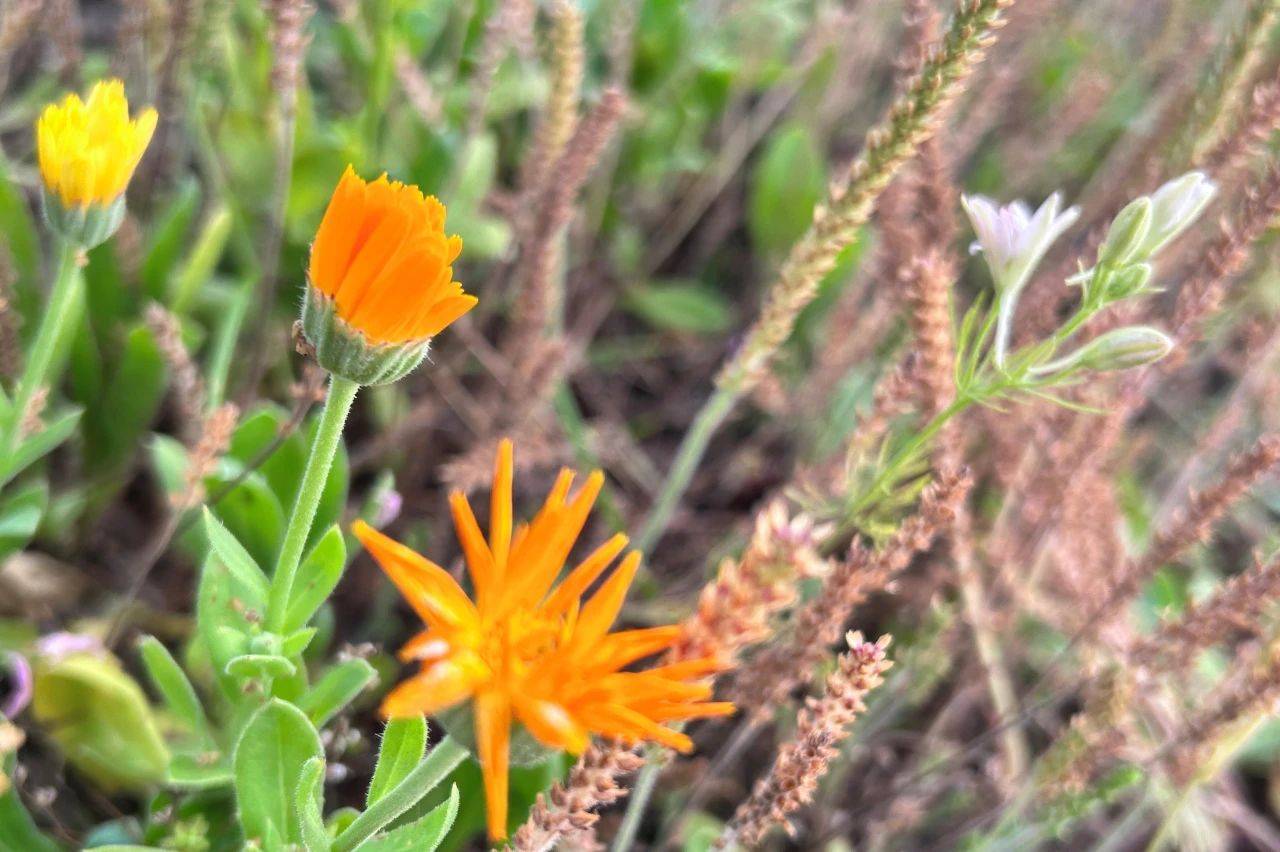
pixel 381 280
pixel 526 649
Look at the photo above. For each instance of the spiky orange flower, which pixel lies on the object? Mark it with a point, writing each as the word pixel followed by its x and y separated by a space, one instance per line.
pixel 88 150
pixel 529 650
pixel 382 255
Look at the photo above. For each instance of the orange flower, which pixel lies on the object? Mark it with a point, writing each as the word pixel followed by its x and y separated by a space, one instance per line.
pixel 382 256
pixel 529 650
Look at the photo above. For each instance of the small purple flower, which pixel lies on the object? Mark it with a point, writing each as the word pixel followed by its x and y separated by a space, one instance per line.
pixel 388 508
pixel 63 644
pixel 21 685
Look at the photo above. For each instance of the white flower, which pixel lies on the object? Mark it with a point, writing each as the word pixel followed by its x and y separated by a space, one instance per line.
pixel 1174 206
pixel 1012 238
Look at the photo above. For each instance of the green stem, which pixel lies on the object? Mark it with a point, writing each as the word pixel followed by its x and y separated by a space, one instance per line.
pixel 442 760
pixel 342 393
pixel 66 288
pixel 692 448
pixel 641 792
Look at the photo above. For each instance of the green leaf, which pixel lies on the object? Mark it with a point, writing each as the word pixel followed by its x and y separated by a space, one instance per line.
pixel 40 444
pixel 684 306
pixel 128 404
pixel 421 835
pixel 317 577
pixel 199 770
pixel 227 615
pixel 404 742
pixel 336 689
pixel 259 667
pixel 310 805
pixel 171 682
pixel 787 183
pixel 169 237
pixel 100 719
pixel 17 829
pixel 269 758
pixel 233 555
pixel 20 515
pixel 296 642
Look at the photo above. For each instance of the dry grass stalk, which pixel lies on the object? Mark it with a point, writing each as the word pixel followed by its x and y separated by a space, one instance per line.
pixel 736 609
pixel 822 724
pixel 537 299
pixel 568 813
pixel 1252 688
pixel 185 380
pixel 1194 522
pixel 215 437
pixel 1249 141
pixel 418 89
pixel 777 670
pixel 289 44
pixel 169 99
pixel 63 24
pixel 1202 293
pixel 1237 608
pixel 912 118
pixel 1220 98
pixel 16 25
pixel 558 120
pixel 927 284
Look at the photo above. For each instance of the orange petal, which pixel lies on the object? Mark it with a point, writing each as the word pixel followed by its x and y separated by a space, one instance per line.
pixel 587 572
pixel 428 588
pixel 493 747
pixel 500 503
pixel 599 613
pixel 551 724
pixel 479 558
pixel 437 687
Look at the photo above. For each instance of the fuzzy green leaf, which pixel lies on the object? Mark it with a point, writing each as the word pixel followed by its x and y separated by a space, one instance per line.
pixel 269 758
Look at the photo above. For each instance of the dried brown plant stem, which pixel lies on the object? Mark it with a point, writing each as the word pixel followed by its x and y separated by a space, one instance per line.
pixel 1237 607
pixel 19 20
pixel 912 118
pixel 819 622
pixel 289 42
pixel 557 122
pixel 183 21
pixel 185 380
pixel 736 609
pixel 801 763
pixel 535 305
pixel 569 810
pixel 1220 99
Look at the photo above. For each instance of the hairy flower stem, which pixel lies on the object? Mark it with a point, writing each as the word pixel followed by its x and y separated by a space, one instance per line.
pixel 68 284
pixel 692 447
pixel 433 769
pixel 342 393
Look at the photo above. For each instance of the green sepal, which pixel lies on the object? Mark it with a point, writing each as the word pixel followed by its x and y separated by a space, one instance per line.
pixel 344 351
pixel 88 226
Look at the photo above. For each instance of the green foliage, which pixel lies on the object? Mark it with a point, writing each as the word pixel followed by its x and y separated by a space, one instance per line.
pixel 788 181
pixel 680 306
pixel 100 720
pixel 269 759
